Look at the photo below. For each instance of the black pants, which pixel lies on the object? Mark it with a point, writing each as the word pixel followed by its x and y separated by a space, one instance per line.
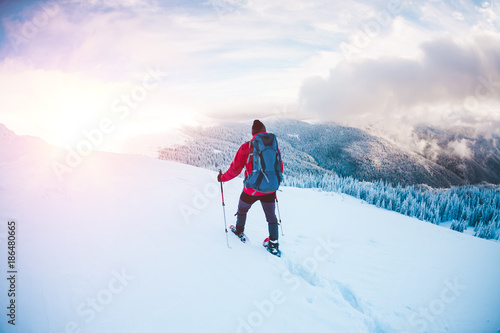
pixel 268 205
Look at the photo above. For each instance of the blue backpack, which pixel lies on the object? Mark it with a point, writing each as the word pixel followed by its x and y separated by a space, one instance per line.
pixel 266 175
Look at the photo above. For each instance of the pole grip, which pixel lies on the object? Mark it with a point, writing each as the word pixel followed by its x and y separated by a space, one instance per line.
pixel 221 188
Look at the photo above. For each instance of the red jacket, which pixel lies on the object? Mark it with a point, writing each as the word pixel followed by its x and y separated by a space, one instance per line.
pixel 243 159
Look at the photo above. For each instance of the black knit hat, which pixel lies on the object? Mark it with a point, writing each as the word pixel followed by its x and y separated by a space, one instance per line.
pixel 258 127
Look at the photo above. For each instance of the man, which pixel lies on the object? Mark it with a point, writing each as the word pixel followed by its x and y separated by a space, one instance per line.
pixel 244 159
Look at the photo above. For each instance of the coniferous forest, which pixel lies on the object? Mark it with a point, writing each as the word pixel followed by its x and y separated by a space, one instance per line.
pixel 476 206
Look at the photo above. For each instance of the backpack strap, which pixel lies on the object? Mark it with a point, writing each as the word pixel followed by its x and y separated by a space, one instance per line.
pixel 250 153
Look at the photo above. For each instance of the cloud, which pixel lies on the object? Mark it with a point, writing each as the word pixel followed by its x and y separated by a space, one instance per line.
pixel 255 52
pixel 449 75
pixel 242 58
pixel 460 148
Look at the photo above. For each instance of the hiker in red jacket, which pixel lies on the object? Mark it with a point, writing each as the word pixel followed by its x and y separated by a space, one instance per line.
pixel 244 159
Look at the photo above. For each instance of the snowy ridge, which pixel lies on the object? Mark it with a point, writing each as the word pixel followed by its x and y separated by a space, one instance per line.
pixel 437 158
pixel 5 133
pixel 133 244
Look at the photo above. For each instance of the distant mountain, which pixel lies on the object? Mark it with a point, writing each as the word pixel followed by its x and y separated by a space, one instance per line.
pixel 314 149
pixel 473 158
pixel 353 152
pixel 215 147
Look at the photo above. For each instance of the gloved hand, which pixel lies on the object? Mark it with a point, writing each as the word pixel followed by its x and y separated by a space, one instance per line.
pixel 219 177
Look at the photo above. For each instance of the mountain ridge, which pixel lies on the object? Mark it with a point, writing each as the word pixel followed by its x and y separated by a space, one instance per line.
pixel 348 151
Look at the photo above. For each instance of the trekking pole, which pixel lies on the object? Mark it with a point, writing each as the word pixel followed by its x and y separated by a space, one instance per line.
pixel 224 209
pixel 279 215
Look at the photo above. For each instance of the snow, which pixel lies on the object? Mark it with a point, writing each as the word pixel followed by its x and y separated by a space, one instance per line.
pixel 468 231
pixel 129 243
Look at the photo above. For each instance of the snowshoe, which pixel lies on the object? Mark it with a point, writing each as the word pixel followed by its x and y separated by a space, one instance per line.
pixel 272 247
pixel 240 235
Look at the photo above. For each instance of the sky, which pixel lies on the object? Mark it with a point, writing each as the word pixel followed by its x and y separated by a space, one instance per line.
pixel 111 72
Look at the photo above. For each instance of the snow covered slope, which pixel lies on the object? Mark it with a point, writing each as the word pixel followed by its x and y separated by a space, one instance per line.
pixel 131 244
